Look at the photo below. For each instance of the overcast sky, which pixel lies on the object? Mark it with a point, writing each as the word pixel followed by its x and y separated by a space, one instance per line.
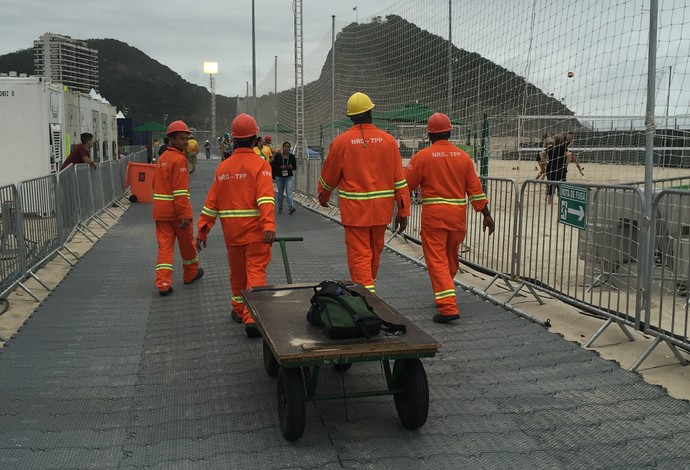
pixel 182 34
pixel 604 43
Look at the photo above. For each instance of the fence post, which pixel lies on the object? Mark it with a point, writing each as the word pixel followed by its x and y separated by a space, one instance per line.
pixel 484 165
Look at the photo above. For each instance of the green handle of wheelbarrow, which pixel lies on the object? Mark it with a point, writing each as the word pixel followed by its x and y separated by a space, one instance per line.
pixel 283 251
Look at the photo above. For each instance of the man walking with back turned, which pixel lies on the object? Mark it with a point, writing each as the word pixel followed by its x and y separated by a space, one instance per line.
pixel 364 162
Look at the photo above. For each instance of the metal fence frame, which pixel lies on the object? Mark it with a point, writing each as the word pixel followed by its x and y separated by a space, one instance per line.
pixel 39 216
pixel 572 256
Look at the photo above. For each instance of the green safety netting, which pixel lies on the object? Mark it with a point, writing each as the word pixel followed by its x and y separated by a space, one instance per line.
pixel 276 128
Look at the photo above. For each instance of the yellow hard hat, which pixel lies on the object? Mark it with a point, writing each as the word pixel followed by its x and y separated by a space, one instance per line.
pixel 358 103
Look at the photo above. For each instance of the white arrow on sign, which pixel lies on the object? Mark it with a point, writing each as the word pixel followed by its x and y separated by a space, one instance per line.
pixel 580 212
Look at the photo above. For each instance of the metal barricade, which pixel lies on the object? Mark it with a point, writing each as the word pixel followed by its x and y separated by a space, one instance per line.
pixel 68 207
pixel 87 207
pixel 495 254
pixel 313 174
pixel 598 268
pixel 666 311
pixel 12 250
pixel 39 200
pixel 96 182
pixel 116 175
pixel 106 177
pixel 39 216
pixel 302 176
pixel 498 252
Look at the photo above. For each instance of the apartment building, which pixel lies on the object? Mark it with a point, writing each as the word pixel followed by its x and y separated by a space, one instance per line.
pixel 67 61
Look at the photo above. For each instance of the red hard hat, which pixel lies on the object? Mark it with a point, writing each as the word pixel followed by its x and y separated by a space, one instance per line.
pixel 438 122
pixel 268 138
pixel 177 126
pixel 244 126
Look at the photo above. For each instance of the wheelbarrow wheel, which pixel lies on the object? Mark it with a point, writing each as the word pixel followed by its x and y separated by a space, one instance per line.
pixel 412 401
pixel 292 403
pixel 270 363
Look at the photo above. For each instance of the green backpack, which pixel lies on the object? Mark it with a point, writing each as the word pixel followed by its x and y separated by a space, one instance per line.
pixel 345 313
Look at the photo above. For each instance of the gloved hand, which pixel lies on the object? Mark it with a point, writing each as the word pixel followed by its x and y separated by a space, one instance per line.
pixel 201 238
pixel 269 236
pixel 324 197
pixel 400 223
pixel 185 222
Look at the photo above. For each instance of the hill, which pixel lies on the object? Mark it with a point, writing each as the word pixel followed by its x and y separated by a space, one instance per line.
pixel 142 87
pixel 396 63
pixel 391 59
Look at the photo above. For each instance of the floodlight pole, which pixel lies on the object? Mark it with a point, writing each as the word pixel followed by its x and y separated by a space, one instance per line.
pixel 332 77
pixel 450 58
pixel 650 130
pixel 253 63
pixel 213 107
pixel 275 92
pixel 211 68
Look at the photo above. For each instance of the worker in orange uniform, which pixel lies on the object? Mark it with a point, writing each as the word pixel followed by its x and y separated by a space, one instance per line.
pixel 242 196
pixel 365 164
pixel 192 153
pixel 173 212
pixel 447 179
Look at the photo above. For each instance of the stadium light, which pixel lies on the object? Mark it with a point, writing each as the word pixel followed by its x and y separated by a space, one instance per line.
pixel 211 68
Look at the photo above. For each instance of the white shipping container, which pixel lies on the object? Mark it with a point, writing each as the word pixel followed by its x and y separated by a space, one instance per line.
pixel 31 114
pixel 40 123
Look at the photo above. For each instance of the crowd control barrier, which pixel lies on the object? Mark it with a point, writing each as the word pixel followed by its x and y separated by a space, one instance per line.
pixel 39 216
pixel 596 252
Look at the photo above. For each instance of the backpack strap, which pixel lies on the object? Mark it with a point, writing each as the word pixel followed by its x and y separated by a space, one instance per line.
pixel 393 327
pixel 389 327
pixel 350 310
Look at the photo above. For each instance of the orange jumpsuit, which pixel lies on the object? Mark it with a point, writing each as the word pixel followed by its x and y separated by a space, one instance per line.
pixel 170 205
pixel 242 196
pixel 365 164
pixel 447 177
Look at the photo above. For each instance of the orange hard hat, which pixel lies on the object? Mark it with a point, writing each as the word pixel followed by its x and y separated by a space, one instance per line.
pixel 177 126
pixel 244 126
pixel 438 122
pixel 268 139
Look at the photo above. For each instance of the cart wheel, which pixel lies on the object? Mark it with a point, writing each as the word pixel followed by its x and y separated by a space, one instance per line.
pixel 292 403
pixel 270 364
pixel 133 198
pixel 412 402
pixel 343 366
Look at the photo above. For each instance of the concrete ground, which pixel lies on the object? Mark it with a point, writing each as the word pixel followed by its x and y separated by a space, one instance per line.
pixel 107 374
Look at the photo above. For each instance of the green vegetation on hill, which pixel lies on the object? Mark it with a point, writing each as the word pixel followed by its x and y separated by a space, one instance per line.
pixel 396 64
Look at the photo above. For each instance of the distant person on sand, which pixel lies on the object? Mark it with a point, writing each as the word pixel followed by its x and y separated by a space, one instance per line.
pixel 541 156
pixel 573 158
pixel 557 166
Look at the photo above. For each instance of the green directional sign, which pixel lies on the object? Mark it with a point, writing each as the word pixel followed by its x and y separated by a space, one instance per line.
pixel 572 206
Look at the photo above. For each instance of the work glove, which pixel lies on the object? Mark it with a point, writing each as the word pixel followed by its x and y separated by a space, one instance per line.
pixel 269 236
pixel 200 244
pixel 400 223
pixel 201 239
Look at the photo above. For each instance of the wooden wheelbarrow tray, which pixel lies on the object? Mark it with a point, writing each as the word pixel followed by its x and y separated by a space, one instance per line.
pixel 295 350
